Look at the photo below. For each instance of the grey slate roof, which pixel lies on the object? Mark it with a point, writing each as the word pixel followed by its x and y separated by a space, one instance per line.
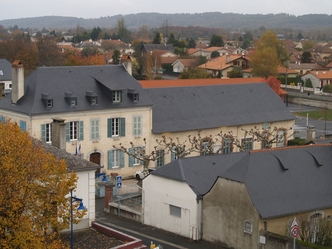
pixel 203 107
pixel 55 81
pixel 73 162
pixel 280 182
pixel 6 68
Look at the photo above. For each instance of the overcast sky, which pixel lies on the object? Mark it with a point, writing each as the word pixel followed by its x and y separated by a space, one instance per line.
pixel 100 8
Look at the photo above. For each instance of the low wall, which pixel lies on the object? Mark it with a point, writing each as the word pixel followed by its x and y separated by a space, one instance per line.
pixel 310 102
pixel 130 242
pixel 125 211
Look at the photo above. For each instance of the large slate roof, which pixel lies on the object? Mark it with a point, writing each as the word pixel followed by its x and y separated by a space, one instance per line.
pixel 56 81
pixel 279 181
pixel 6 70
pixel 202 107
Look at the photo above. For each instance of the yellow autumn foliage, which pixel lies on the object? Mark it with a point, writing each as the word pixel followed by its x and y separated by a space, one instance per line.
pixel 34 203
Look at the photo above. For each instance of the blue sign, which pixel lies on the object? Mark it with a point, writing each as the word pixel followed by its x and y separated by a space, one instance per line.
pixel 119 181
pixel 118 178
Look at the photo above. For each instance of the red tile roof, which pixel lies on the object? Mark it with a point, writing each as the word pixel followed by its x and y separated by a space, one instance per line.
pixel 197 82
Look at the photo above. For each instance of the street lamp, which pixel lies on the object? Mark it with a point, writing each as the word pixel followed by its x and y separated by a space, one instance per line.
pixel 80 208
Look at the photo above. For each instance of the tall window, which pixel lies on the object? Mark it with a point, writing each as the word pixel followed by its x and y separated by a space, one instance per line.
pixel 73 133
pixel 46 130
pixel 315 220
pixel 48 135
pixel 137 125
pixel 23 125
pixel 95 129
pixel 160 158
pixel 136 153
pixel 115 159
pixel 264 140
pixel 281 138
pixel 116 96
pixel 74 130
pixel 227 146
pixel 116 127
pixel 247 143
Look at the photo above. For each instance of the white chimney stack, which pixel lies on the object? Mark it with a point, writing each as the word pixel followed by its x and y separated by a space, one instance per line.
pixel 17 81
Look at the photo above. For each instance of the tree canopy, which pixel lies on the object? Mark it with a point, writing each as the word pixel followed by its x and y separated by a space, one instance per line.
pixel 34 188
pixel 194 73
pixel 269 54
pixel 216 41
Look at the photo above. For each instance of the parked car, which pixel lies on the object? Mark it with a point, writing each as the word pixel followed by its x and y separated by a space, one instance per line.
pixel 139 175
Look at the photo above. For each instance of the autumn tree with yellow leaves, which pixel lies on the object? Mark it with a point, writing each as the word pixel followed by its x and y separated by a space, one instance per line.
pixel 34 203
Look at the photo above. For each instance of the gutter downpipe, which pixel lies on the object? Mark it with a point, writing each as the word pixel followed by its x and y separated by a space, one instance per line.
pixel 199 222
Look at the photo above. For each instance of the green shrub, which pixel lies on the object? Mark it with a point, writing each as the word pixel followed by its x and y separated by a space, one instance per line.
pixel 296 141
pixel 327 88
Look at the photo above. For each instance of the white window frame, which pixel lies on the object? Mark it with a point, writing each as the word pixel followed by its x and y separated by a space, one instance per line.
pixel 73 130
pixel 247 141
pixel 137 125
pixel 137 151
pixel 281 142
pixel 116 96
pixel 115 127
pixel 95 129
pixel 48 132
pixel 116 159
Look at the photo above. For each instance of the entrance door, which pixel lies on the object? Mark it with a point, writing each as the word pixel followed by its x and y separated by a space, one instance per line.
pixel 95 158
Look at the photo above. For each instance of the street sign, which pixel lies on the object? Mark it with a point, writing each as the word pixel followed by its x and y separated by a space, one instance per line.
pixel 119 181
pixel 294 229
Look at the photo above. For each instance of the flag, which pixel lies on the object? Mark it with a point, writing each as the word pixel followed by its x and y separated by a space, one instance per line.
pixel 78 149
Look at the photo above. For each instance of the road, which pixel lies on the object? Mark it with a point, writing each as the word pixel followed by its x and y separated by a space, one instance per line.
pixel 322 127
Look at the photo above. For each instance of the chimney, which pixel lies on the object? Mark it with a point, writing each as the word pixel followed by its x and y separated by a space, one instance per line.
pixel 126 62
pixel 17 81
pixel 59 133
pixel 227 58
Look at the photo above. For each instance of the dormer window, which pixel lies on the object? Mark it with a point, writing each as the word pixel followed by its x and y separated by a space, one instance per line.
pixel 73 102
pixel 49 103
pixel 47 100
pixel 116 96
pixel 92 97
pixel 71 99
pixel 93 100
pixel 133 94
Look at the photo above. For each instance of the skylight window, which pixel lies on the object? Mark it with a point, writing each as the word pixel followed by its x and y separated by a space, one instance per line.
pixel 1 72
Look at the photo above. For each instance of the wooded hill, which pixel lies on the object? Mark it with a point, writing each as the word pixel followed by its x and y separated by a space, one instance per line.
pixel 226 21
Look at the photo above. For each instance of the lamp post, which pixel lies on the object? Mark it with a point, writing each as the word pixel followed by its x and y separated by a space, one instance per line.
pixel 81 207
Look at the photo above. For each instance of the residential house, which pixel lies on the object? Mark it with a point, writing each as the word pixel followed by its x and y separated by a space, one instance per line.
pixel 225 63
pixel 181 64
pixel 84 169
pixel 148 48
pixel 318 78
pixel 182 108
pixel 88 44
pixel 303 68
pixel 234 199
pixel 102 106
pixel 5 74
